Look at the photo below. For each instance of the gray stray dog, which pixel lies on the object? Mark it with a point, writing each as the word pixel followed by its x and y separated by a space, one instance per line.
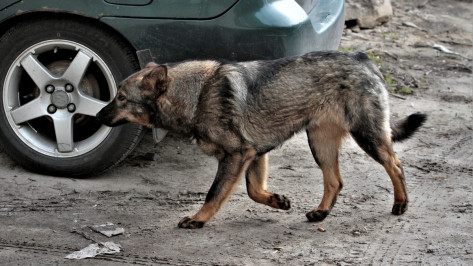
pixel 238 112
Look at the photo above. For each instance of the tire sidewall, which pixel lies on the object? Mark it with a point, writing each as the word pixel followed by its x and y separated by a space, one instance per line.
pixel 115 145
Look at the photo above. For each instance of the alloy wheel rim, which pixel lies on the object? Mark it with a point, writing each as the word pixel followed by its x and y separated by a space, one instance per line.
pixel 62 99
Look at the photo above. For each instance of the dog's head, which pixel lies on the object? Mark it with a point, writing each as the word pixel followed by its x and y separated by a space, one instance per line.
pixel 136 98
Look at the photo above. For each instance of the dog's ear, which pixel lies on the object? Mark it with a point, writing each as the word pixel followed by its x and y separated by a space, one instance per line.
pixel 157 78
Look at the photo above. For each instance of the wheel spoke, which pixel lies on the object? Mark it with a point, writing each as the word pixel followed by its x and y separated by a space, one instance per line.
pixel 37 71
pixel 28 111
pixel 89 105
pixel 64 135
pixel 76 70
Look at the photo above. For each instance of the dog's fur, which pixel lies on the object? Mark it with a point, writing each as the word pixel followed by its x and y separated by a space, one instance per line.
pixel 238 112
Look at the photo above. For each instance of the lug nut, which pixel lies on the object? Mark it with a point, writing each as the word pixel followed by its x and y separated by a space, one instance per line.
pixel 69 87
pixel 71 108
pixel 52 109
pixel 49 88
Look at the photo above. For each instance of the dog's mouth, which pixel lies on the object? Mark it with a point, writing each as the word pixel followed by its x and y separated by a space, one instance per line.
pixel 108 121
pixel 116 123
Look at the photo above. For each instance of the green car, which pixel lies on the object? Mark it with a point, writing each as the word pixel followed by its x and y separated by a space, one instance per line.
pixel 61 61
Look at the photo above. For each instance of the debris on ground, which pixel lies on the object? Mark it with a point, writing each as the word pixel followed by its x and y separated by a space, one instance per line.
pixel 443 49
pixel 108 229
pixel 95 249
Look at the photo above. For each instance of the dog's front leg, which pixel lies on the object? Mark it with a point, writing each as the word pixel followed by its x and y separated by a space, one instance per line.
pixel 230 170
pixel 256 176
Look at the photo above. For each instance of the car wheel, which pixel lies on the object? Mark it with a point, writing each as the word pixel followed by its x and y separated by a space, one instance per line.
pixel 56 75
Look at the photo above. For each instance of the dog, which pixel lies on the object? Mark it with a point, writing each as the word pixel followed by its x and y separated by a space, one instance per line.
pixel 239 111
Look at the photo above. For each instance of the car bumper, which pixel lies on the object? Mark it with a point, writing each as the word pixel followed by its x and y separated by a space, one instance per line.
pixel 249 31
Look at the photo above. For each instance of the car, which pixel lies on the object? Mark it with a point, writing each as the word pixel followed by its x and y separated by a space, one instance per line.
pixel 61 62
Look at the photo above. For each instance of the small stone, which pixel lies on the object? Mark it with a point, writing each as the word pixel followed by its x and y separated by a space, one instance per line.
pixel 410 24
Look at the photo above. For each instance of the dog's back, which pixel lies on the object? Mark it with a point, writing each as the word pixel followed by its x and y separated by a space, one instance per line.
pixel 269 101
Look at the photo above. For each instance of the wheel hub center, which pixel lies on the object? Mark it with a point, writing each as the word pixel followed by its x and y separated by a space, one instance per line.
pixel 60 99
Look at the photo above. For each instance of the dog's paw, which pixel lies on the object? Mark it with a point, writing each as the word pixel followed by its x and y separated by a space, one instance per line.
pixel 317 215
pixel 190 223
pixel 399 208
pixel 282 201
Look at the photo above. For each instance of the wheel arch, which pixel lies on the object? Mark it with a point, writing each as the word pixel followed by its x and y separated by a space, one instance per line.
pixel 41 15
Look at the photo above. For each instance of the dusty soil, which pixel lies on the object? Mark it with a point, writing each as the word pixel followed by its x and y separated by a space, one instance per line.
pixel 43 218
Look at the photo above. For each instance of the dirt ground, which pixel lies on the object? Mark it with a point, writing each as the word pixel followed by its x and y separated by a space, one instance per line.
pixel 43 218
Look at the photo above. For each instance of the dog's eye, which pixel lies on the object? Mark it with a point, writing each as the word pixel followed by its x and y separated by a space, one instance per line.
pixel 121 98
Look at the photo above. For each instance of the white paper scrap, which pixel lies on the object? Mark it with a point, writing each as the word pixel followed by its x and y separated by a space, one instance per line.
pixel 95 249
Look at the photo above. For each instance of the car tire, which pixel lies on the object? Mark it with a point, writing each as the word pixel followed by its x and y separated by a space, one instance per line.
pixel 56 74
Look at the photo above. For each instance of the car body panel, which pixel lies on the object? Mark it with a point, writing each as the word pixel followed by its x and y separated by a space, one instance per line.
pixel 5 3
pixel 177 9
pixel 250 30
pixel 230 29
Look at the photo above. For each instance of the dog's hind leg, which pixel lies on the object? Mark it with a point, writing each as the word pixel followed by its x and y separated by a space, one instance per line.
pixel 325 141
pixel 230 169
pixel 378 145
pixel 256 176
pixel 394 169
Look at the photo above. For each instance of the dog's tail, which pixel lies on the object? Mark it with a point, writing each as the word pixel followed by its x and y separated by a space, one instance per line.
pixel 403 129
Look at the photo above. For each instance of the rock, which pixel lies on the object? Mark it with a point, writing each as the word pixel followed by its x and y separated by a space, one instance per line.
pixel 368 13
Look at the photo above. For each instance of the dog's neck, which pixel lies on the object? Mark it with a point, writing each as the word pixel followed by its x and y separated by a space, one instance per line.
pixel 178 105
